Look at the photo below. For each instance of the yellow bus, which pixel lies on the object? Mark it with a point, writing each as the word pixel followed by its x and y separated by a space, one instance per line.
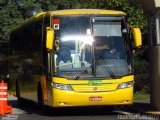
pixel 76 57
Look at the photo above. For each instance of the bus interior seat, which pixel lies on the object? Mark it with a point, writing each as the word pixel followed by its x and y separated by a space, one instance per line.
pixel 64 56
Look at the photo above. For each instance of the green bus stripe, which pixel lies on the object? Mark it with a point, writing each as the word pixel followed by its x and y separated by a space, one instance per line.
pixel 88 83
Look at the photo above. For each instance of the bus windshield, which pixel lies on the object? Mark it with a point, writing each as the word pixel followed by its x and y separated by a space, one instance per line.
pixel 91 47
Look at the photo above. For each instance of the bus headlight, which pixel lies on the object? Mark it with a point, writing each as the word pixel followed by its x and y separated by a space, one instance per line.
pixel 62 86
pixel 125 85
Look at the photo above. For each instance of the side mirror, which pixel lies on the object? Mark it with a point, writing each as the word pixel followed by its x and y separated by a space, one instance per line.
pixel 49 38
pixel 137 36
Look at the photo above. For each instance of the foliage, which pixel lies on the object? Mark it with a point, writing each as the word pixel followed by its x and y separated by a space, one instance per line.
pixel 9 18
pixel 14 12
pixel 141 70
pixel 131 7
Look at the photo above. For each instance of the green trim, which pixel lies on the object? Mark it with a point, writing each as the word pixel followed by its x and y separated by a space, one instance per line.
pixel 95 91
pixel 89 85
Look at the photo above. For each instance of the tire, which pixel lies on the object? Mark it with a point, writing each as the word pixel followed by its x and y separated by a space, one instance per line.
pixel 109 109
pixel 40 95
pixel 21 102
pixel 18 95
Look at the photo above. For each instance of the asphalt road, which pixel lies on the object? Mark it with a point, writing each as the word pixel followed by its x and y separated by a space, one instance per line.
pixel 32 112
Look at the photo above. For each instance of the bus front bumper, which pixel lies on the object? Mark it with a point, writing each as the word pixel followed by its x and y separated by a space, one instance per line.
pixel 62 98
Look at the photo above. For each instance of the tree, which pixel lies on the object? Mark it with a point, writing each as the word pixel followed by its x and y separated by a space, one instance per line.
pixel 14 12
pixel 130 7
pixel 10 17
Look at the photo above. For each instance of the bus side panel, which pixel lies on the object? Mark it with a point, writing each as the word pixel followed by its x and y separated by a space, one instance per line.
pixel 32 60
pixel 27 49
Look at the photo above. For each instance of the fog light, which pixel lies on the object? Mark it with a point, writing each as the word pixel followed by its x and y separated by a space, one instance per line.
pixel 62 103
pixel 125 101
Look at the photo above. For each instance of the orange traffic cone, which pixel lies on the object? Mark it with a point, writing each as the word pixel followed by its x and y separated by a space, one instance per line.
pixel 4 108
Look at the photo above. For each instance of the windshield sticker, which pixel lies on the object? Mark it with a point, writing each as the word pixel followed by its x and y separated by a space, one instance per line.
pixel 95 82
pixel 56 23
pixel 56 26
pixel 93 20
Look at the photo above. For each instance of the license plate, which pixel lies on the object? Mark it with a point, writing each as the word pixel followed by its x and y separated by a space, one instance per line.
pixel 95 98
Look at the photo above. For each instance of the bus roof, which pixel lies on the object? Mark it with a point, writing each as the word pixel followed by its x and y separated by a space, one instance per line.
pixel 72 12
pixel 86 11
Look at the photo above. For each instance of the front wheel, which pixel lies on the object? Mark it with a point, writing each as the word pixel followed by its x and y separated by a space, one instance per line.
pixel 109 109
pixel 40 99
pixel 40 95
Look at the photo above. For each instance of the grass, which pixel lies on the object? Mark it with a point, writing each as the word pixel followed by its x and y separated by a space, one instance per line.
pixel 141 96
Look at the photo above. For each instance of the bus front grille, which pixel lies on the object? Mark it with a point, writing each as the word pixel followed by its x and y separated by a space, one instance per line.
pixel 87 88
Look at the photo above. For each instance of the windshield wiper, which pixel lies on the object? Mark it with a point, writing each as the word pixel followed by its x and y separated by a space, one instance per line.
pixel 107 69
pixel 77 77
pixel 84 71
